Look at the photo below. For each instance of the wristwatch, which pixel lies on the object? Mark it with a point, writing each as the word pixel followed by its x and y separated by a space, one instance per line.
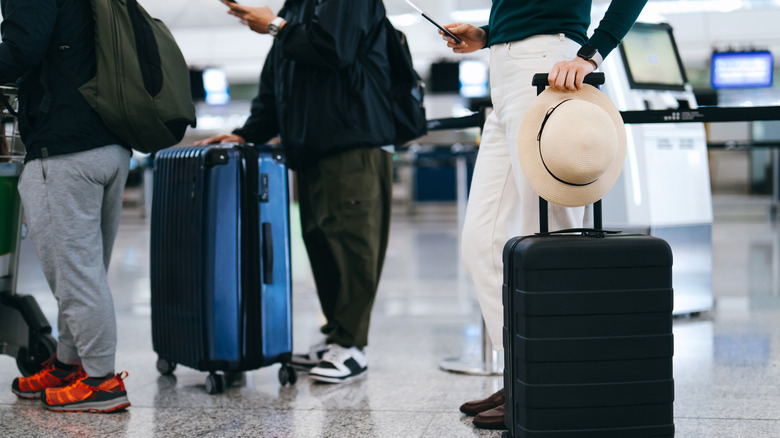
pixel 590 53
pixel 274 26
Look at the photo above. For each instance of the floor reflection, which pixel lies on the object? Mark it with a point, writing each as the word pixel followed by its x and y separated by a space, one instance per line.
pixel 726 364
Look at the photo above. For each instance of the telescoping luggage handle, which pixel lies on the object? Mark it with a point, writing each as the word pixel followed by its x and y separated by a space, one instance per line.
pixel 540 82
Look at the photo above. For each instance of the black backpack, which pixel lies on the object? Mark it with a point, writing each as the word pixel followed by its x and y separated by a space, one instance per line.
pixel 408 89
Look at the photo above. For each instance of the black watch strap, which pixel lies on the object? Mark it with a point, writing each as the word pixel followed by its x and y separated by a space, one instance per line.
pixel 587 52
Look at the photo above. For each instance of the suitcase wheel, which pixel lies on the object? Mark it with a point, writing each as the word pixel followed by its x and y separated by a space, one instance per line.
pixel 31 361
pixel 215 384
pixel 287 375
pixel 165 367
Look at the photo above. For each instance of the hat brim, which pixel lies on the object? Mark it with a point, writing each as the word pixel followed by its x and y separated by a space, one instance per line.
pixel 531 162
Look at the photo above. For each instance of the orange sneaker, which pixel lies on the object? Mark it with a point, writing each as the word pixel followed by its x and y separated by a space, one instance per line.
pixel 49 377
pixel 80 396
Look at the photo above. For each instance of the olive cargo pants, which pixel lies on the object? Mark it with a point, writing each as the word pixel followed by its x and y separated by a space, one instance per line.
pixel 345 203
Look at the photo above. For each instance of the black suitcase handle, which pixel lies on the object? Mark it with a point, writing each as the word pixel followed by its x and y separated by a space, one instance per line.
pixel 268 254
pixel 540 82
pixel 544 227
pixel 591 232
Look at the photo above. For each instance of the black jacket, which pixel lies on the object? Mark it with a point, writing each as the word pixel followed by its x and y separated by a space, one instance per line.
pixel 33 31
pixel 325 84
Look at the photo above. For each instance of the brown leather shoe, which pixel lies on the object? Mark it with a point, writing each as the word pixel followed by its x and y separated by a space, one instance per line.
pixel 492 419
pixel 473 408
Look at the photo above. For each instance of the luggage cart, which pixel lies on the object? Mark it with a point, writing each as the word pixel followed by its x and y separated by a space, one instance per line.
pixel 24 331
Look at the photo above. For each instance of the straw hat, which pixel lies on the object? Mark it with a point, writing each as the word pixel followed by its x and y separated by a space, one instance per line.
pixel 572 146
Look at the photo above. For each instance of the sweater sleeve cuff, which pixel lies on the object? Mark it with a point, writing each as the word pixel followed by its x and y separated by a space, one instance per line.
pixel 603 43
pixel 241 133
pixel 486 28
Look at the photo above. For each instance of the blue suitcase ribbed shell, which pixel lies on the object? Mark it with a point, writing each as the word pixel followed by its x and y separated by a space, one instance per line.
pixel 220 258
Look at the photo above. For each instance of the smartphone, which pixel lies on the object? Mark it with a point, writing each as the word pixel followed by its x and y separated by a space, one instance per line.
pixel 231 1
pixel 447 32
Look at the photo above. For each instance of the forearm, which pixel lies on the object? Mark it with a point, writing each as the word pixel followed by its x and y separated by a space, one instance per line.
pixel 262 123
pixel 26 30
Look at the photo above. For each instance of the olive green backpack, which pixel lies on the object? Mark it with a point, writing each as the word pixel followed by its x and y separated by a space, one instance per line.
pixel 141 88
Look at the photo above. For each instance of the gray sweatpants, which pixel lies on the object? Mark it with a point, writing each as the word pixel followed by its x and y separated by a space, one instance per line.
pixel 72 206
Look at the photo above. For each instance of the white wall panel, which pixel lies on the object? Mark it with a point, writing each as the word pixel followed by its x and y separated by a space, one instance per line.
pixel 697 34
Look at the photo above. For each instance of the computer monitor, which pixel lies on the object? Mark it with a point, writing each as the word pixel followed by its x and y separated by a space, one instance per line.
pixel 651 58
pixel 473 77
pixel 209 85
pixel 196 85
pixel 445 77
pixel 753 69
pixel 215 85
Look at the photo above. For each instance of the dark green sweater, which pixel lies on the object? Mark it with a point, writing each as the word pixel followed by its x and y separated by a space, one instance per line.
pixel 515 20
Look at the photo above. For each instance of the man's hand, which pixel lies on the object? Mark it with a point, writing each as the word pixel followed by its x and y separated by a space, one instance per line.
pixel 222 138
pixel 472 38
pixel 568 75
pixel 257 18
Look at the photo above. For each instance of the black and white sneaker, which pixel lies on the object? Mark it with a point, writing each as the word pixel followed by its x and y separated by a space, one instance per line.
pixel 340 365
pixel 305 362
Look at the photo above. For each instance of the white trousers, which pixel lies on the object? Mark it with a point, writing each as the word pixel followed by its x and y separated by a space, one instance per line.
pixel 501 202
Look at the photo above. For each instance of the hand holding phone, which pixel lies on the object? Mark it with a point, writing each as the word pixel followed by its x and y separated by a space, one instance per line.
pixel 447 32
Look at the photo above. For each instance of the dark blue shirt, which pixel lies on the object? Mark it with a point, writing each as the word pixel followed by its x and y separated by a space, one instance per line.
pixel 54 118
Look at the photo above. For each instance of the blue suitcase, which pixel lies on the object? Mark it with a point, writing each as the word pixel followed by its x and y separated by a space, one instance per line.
pixel 220 261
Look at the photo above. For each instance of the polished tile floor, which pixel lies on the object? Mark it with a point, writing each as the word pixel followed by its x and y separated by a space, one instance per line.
pixel 727 363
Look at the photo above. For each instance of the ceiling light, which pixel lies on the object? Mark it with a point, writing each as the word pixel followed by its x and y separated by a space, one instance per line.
pixel 404 20
pixel 689 6
pixel 471 16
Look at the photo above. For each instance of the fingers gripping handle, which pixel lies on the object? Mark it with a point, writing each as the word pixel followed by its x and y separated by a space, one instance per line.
pixel 540 80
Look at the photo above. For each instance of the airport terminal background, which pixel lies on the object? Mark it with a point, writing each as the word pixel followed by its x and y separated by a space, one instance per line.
pixel 716 201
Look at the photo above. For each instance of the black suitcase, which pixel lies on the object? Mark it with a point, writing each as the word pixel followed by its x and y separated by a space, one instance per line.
pixel 588 334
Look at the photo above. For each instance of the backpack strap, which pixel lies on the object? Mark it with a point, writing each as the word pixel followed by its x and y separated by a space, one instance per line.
pixel 370 40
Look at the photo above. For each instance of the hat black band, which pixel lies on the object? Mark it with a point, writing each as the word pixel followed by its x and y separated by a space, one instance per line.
pixel 541 156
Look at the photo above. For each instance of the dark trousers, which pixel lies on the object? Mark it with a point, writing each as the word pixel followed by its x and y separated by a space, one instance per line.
pixel 345 203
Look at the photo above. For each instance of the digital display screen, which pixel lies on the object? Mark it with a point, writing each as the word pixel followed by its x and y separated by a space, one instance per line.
pixel 742 69
pixel 209 85
pixel 215 85
pixel 651 58
pixel 445 77
pixel 473 79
